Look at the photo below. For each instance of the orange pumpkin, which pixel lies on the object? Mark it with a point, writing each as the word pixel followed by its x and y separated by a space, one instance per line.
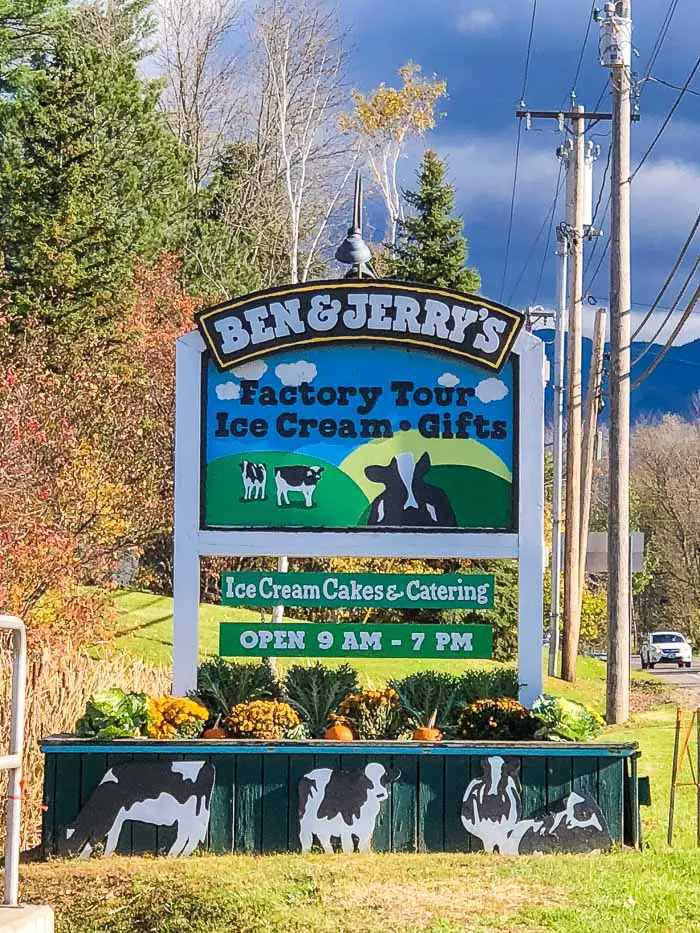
pixel 426 734
pixel 215 731
pixel 338 733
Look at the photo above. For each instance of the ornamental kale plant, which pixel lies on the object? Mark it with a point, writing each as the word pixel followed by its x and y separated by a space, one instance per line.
pixel 317 691
pixel 565 719
pixel 114 714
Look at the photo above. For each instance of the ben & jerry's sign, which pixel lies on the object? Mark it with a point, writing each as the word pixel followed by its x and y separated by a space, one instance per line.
pixel 465 326
pixel 359 404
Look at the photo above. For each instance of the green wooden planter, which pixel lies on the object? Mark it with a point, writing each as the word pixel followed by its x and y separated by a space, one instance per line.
pixel 255 801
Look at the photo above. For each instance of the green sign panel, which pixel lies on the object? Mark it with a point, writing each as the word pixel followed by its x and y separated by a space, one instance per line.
pixel 336 640
pixel 346 590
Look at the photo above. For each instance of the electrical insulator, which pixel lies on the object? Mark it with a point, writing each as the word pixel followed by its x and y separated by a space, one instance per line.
pixel 615 39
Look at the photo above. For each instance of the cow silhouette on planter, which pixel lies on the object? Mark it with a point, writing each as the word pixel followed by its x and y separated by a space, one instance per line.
pixel 407 499
pixel 342 805
pixel 492 812
pixel 492 804
pixel 173 793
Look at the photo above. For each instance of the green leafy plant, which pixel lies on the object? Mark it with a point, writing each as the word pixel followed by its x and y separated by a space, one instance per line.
pixel 222 684
pixel 565 719
pixel 427 692
pixel 488 685
pixel 114 714
pixel 504 719
pixel 316 692
pixel 373 714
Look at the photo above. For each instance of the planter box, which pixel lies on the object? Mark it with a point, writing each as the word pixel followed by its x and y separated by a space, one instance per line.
pixel 254 796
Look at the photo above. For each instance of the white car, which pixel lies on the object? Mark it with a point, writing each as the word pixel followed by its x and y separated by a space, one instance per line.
pixel 666 648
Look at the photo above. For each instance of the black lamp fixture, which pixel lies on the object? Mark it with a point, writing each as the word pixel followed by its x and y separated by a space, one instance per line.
pixel 353 251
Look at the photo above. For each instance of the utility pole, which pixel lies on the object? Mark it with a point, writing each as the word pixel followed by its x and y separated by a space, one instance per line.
pixel 616 49
pixel 566 236
pixel 590 423
pixel 572 531
pixel 558 437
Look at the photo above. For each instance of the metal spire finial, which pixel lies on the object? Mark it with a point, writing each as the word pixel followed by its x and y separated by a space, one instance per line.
pixel 353 251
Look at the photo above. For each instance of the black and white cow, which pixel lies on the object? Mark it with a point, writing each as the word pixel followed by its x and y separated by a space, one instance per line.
pixel 492 811
pixel 254 477
pixel 575 824
pixel 407 499
pixel 175 793
pixel 303 479
pixel 491 805
pixel 342 804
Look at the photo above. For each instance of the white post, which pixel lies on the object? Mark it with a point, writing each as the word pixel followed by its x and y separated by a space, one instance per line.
pixel 557 453
pixel 13 761
pixel 188 362
pixel 531 518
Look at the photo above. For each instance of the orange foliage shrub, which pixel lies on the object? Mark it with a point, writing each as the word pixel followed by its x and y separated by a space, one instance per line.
pixel 86 459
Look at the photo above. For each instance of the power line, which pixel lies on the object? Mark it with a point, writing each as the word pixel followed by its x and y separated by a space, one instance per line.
pixel 600 97
pixel 602 187
pixel 668 118
pixel 512 210
pixel 545 253
pixel 669 277
pixel 517 150
pixel 549 214
pixel 665 321
pixel 675 87
pixel 597 268
pixel 581 54
pixel 660 38
pixel 529 49
pixel 669 343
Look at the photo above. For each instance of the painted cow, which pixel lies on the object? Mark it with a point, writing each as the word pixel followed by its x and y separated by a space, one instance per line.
pixel 491 805
pixel 254 476
pixel 407 499
pixel 575 824
pixel 342 804
pixel 174 793
pixel 492 809
pixel 303 479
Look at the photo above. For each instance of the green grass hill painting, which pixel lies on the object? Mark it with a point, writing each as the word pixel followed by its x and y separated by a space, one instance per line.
pixel 337 499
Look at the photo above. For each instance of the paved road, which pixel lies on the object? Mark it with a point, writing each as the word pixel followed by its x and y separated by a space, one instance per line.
pixel 672 675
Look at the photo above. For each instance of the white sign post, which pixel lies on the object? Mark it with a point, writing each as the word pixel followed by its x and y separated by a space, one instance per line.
pixel 192 541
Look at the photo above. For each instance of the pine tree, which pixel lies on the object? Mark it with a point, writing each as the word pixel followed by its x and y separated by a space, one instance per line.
pixel 89 174
pixel 431 246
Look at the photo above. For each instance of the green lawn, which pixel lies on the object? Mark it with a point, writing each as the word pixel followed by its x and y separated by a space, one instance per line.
pixel 618 893
pixel 655 891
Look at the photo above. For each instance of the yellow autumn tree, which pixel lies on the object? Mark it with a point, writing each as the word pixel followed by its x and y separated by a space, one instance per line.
pixel 385 120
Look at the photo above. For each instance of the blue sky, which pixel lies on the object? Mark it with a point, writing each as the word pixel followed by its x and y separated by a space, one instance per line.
pixel 478 47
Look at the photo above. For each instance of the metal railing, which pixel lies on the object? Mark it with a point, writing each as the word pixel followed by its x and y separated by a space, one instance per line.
pixel 13 761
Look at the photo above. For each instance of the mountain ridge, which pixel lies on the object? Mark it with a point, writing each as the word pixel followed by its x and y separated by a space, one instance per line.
pixel 669 389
